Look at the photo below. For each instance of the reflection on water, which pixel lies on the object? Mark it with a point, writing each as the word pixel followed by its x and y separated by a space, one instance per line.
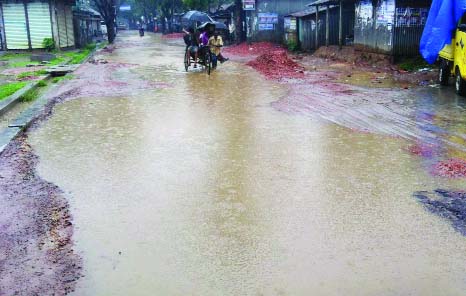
pixel 202 189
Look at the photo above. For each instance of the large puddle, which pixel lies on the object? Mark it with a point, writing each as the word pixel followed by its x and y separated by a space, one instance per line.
pixel 202 188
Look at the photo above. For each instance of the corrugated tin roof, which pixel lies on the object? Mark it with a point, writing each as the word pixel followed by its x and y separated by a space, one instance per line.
pixel 328 2
pixel 226 6
pixel 309 11
pixel 302 13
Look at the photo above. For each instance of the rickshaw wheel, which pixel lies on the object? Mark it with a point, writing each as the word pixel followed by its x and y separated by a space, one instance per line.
pixel 186 59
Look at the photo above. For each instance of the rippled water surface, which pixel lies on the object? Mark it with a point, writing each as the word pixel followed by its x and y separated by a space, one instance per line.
pixel 202 188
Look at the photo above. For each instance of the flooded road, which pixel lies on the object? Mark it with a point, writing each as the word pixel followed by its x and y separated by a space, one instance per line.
pixel 199 186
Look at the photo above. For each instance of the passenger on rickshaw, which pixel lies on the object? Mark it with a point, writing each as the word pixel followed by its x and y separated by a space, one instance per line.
pixel 191 40
pixel 216 44
pixel 204 41
pixel 204 37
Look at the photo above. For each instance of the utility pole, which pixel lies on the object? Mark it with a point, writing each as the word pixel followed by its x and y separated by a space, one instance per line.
pixel 173 16
pixel 239 20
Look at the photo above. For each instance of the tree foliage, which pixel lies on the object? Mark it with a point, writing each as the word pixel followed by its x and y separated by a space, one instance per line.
pixel 107 9
pixel 196 4
pixel 163 8
pixel 204 4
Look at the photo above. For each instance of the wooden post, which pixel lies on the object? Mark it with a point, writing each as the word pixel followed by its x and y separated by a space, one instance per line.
pixel 28 30
pixel 54 22
pixel 340 26
pixel 393 39
pixel 239 21
pixel 327 26
pixel 2 29
pixel 317 26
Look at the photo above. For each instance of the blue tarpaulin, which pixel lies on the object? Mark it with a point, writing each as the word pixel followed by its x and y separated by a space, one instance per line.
pixel 441 23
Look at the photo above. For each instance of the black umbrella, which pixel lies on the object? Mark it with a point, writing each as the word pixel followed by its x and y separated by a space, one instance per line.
pixel 220 26
pixel 212 26
pixel 196 16
pixel 207 26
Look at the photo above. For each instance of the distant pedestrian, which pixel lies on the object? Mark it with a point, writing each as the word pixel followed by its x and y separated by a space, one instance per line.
pixel 141 29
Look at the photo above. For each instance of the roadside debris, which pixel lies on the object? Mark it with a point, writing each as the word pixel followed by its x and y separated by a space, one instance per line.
pixel 451 168
pixel 98 61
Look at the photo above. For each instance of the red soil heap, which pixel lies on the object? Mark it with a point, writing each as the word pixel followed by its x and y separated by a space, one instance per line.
pixel 276 64
pixel 245 49
pixel 451 168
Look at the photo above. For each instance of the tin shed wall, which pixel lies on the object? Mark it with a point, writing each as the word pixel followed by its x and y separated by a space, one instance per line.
pixel 14 16
pixel 282 8
pixel 374 23
pixel 40 26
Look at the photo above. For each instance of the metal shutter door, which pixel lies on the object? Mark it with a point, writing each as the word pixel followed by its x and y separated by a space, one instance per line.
pixel 14 18
pixel 69 25
pixel 61 22
pixel 40 26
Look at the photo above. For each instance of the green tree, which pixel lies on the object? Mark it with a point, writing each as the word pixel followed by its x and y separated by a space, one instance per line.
pixel 107 9
pixel 204 5
pixel 163 8
pixel 196 4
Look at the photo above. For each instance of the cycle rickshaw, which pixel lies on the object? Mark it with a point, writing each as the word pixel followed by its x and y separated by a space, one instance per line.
pixel 204 54
pixel 204 59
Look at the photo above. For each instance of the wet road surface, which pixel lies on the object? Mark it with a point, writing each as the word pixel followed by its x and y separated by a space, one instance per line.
pixel 199 186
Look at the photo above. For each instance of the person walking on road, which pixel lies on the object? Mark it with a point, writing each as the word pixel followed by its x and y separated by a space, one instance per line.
pixel 216 44
pixel 141 29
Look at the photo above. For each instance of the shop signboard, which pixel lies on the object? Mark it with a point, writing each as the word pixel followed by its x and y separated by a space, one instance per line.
pixel 249 4
pixel 125 7
pixel 406 16
pixel 290 23
pixel 265 27
pixel 267 20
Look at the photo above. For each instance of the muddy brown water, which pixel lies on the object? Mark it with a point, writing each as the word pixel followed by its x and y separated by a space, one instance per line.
pixel 202 188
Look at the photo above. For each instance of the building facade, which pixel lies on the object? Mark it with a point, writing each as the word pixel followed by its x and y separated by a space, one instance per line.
pixel 390 26
pixel 87 26
pixel 25 24
pixel 266 22
pixel 326 22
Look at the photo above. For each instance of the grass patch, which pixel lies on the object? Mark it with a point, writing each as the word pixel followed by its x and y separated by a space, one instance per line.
pixel 41 83
pixel 413 64
pixel 30 95
pixel 10 88
pixel 31 74
pixel 79 56
pixel 23 60
pixel 102 44
pixel 11 55
pixel 56 61
pixel 61 78
pixel 91 46
pixel 21 64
